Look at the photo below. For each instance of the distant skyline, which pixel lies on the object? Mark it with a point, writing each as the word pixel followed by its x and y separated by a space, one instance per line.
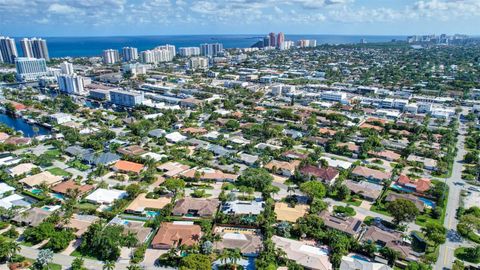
pixel 196 17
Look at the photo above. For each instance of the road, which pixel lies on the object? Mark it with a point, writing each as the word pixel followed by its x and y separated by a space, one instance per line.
pixel 446 256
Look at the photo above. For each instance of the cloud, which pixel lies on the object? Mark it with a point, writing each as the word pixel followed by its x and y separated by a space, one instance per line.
pixel 61 9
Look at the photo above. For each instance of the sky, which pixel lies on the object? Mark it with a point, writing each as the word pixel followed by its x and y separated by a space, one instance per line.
pixel 45 18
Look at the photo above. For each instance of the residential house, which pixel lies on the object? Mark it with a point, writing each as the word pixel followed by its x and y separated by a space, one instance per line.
pixel 308 256
pixel 282 167
pixel 80 223
pixel 348 225
pixel 172 169
pixel 44 177
pixel 286 212
pixel 365 189
pixel 248 241
pixel 354 263
pixel 23 168
pixel 392 196
pixel 32 217
pixel 65 187
pixel 105 196
pixel 196 207
pixel 128 167
pixel 421 185
pixel 428 163
pixel 171 235
pixel 371 174
pixel 327 175
pixel 238 207
pixel 141 203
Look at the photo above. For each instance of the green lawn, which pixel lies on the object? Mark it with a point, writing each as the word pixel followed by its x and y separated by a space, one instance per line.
pixel 51 266
pixel 353 201
pixel 77 164
pixel 53 153
pixel 86 206
pixel 380 210
pixel 59 172
pixel 463 254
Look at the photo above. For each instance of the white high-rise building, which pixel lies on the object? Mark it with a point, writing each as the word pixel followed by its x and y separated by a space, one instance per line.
pixel 156 56
pixel 30 69
pixel 198 63
pixel 71 84
pixel 27 48
pixel 129 54
pixel 170 48
pixel 67 68
pixel 39 48
pixel 110 56
pixel 189 51
pixel 8 50
pixel 211 49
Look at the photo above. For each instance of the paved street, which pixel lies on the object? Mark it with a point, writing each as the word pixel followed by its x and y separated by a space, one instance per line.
pixel 446 256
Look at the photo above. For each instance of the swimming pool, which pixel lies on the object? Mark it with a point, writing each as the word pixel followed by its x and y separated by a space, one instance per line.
pixel 151 214
pixel 36 191
pixel 427 202
pixel 58 196
pixel 400 188
pixel 360 257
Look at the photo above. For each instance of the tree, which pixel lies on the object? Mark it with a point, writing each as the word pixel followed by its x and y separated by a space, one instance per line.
pixel 108 265
pixel 458 265
pixel 389 254
pixel 418 266
pixel 134 267
pixel 257 178
pixel 133 190
pixel 313 189
pixel 77 264
pixel 45 256
pixel 402 210
pixel 283 229
pixel 174 185
pixel 195 262
pixel 435 232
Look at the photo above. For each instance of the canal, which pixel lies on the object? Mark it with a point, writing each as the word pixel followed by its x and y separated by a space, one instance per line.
pixel 21 125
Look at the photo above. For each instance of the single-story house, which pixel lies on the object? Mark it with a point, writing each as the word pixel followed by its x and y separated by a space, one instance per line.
pixel 428 163
pixel 14 200
pixel 285 212
pixel 23 168
pixel 348 225
pixel 248 241
pixel 208 174
pixel 32 217
pixel 105 196
pixel 237 207
pixel 418 185
pixel 196 207
pixel 175 234
pixel 131 150
pixel 392 196
pixel 80 223
pixel 134 227
pixel 128 167
pixel 308 256
pixel 5 188
pixel 282 167
pixel 171 169
pixel 175 137
pixel 371 174
pixel 141 203
pixel 327 175
pixel 105 158
pixel 39 178
pixel 365 189
pixel 353 263
pixel 64 187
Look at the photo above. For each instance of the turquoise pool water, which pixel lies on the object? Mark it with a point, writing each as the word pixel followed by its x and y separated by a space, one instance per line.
pixel 359 257
pixel 36 191
pixel 58 196
pixel 400 188
pixel 151 214
pixel 427 202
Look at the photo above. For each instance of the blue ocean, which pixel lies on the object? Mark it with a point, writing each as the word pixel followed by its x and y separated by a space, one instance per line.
pixel 93 46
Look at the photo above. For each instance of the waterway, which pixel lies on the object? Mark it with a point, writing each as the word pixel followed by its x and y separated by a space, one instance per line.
pixel 20 124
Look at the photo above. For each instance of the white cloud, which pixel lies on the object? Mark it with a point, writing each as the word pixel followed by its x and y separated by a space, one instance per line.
pixel 61 9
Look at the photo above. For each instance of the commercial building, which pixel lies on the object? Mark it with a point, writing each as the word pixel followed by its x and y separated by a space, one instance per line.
pixel 30 69
pixel 135 68
pixel 8 50
pixel 110 56
pixel 211 49
pixel 307 43
pixel 67 68
pixel 189 51
pixel 71 84
pixel 271 40
pixel 198 63
pixel 129 54
pixel 35 48
pixel 126 98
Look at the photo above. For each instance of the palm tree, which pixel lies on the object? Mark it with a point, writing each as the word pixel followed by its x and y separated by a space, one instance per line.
pixel 12 249
pixel 108 265
pixel 134 267
pixel 234 255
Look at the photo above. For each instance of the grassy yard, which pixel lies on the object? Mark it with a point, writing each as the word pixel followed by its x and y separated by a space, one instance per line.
pixel 53 153
pixel 86 206
pixel 463 254
pixel 51 266
pixel 353 201
pixel 77 164
pixel 59 172
pixel 380 209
